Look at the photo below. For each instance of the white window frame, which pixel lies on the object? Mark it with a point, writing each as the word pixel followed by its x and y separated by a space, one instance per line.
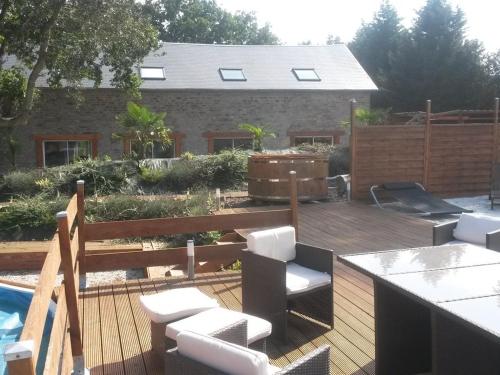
pixel 152 78
pixel 296 74
pixel 221 72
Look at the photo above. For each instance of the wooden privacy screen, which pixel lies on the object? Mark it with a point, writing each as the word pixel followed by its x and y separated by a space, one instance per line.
pixel 460 157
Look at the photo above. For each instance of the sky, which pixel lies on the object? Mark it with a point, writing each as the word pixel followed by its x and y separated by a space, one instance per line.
pixel 296 21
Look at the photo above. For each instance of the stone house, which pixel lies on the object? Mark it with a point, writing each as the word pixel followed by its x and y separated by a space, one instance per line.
pixel 301 93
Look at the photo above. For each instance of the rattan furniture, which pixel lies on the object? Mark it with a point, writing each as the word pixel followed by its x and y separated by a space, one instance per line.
pixel 268 283
pixel 469 228
pixel 212 321
pixel 169 306
pixel 436 309
pixel 198 354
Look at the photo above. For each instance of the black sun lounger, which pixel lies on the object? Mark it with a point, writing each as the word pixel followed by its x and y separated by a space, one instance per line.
pixel 413 194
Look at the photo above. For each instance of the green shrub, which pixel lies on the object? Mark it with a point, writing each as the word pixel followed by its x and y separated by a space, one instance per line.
pixel 21 182
pixel 226 170
pixel 338 156
pixel 30 218
pixel 126 207
pixel 101 177
pixel 152 176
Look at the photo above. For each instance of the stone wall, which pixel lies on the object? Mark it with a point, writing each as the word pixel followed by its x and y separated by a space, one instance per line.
pixel 189 112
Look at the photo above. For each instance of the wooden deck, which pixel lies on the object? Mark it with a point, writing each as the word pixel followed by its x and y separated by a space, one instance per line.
pixel 116 332
pixel 354 227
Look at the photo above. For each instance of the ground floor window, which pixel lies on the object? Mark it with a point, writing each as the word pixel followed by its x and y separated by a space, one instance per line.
pixel 220 141
pixel 157 150
pixel 54 150
pixel 65 152
pixel 314 137
pixel 221 144
pixel 314 140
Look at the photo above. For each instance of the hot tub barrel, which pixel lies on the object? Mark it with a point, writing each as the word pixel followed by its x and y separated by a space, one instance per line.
pixel 268 176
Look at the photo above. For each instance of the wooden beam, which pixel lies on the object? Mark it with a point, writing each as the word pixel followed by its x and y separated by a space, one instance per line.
pixel 427 143
pixel 72 210
pixel 57 336
pixel 294 202
pixel 80 198
pixel 167 257
pixel 37 313
pixel 352 149
pixel 495 130
pixel 165 226
pixel 71 287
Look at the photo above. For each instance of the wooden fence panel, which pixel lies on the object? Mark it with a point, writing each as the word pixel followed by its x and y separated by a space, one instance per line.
pixel 387 153
pixel 460 157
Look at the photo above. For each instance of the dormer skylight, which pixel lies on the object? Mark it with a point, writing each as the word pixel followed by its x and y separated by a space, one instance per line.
pixel 232 74
pixel 150 72
pixel 304 74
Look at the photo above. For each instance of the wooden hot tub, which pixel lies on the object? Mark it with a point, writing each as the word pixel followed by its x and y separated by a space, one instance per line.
pixel 268 176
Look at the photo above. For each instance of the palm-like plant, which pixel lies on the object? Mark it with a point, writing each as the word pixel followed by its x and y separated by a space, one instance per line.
pixel 144 127
pixel 258 133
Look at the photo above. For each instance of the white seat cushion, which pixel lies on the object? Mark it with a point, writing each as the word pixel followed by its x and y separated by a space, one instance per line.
pixel 277 243
pixel 301 279
pixel 221 355
pixel 473 227
pixel 175 304
pixel 210 321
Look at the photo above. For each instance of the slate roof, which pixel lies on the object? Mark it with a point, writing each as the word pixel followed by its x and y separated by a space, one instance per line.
pixel 266 67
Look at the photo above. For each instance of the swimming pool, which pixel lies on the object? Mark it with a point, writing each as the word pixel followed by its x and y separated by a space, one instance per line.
pixel 14 305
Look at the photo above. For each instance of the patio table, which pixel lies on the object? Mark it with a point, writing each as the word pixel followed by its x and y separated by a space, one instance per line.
pixel 437 309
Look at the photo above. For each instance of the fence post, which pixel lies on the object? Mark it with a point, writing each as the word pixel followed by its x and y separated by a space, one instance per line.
pixel 427 143
pixel 190 262
pixel 71 286
pixel 19 358
pixel 294 205
pixel 80 200
pixel 495 130
pixel 352 148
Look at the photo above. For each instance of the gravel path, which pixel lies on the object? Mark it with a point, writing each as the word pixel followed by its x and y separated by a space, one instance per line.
pixel 91 279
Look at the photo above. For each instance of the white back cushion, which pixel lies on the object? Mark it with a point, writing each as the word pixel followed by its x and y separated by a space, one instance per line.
pixel 221 355
pixel 277 243
pixel 473 227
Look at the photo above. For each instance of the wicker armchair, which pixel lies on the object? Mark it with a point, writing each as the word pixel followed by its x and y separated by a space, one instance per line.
pixel 443 233
pixel 316 362
pixel 266 289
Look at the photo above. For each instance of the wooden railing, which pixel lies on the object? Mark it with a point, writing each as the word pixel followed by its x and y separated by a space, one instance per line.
pixel 23 357
pixel 67 249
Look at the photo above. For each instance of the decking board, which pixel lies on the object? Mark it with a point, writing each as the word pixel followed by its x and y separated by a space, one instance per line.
pixel 115 318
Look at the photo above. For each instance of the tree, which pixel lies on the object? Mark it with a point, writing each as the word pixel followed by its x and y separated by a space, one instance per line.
pixel 376 44
pixel 331 39
pixel 203 21
pixel 144 127
pixel 259 133
pixel 69 41
pixel 438 62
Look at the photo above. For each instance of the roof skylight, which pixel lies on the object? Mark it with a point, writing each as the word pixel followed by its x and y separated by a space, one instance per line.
pixel 149 72
pixel 232 74
pixel 305 74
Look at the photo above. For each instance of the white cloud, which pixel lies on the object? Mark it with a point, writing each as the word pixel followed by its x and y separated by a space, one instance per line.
pixel 295 21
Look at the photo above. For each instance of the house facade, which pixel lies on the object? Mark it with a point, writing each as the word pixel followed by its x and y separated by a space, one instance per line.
pixel 301 93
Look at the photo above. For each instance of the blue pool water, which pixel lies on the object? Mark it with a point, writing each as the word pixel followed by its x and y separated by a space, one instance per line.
pixel 14 304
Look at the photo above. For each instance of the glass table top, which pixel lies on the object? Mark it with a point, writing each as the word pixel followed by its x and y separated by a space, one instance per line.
pixel 450 284
pixel 482 312
pixel 423 259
